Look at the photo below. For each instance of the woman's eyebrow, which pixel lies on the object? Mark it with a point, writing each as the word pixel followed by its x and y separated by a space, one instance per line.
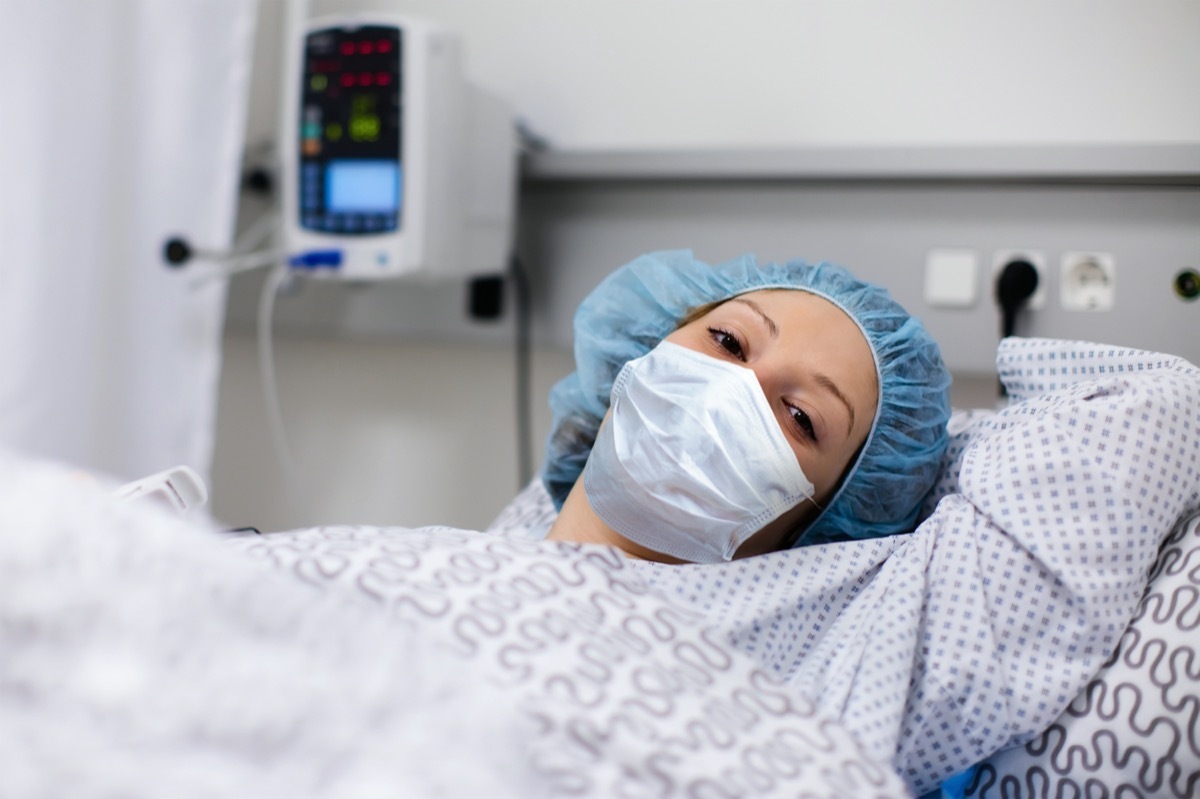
pixel 772 328
pixel 825 382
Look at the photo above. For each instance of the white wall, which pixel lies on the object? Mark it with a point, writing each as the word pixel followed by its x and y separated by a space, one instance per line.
pixel 384 433
pixel 379 417
pixel 602 74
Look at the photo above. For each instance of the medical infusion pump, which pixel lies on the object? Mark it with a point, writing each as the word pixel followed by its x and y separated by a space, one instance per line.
pixel 394 165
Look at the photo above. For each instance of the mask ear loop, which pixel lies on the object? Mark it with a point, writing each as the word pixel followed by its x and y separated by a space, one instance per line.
pixel 798 531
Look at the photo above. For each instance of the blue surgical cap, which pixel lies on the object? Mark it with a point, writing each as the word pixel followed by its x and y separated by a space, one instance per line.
pixel 636 307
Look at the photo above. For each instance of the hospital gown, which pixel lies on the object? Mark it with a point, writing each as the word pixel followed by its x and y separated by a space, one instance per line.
pixel 973 633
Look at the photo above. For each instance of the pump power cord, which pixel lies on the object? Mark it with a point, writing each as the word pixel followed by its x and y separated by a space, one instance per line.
pixel 266 363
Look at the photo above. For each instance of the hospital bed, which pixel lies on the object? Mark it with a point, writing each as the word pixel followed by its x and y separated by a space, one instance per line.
pixel 144 655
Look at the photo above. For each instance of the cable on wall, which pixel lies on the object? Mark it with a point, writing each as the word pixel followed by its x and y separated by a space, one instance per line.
pixel 1015 284
pixel 524 423
pixel 275 280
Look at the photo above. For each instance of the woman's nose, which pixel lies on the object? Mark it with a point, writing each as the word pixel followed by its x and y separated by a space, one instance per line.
pixel 767 377
pixel 771 369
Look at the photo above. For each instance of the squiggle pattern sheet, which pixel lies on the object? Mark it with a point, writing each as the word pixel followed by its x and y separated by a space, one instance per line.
pixel 631 695
pixel 144 656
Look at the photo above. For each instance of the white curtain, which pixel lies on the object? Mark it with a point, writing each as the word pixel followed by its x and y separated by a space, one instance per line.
pixel 121 123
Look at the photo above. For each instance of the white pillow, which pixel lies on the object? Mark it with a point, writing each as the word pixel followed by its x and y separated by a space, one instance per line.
pixel 1134 731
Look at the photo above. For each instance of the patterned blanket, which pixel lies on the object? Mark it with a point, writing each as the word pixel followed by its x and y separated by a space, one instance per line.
pixel 142 656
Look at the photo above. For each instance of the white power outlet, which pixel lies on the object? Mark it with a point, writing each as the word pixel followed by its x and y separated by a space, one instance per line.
pixel 1002 258
pixel 1088 281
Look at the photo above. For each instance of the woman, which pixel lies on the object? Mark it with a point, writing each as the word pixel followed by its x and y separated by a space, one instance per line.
pixel 755 407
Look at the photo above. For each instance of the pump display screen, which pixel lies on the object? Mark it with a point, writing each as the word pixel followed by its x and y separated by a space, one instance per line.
pixel 349 129
pixel 362 187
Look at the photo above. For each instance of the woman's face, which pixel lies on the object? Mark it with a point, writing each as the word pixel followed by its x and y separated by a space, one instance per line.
pixel 816 370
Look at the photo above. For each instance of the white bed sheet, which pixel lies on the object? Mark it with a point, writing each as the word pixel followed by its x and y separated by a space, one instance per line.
pixel 141 656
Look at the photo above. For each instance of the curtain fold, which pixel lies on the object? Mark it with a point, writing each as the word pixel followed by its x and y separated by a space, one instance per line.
pixel 123 124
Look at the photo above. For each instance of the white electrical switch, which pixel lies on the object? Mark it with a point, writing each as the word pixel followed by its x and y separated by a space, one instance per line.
pixel 951 278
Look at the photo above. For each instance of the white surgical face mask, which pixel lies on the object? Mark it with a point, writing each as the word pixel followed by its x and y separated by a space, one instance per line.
pixel 691 462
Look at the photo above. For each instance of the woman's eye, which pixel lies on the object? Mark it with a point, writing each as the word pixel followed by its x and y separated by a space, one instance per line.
pixel 803 422
pixel 728 342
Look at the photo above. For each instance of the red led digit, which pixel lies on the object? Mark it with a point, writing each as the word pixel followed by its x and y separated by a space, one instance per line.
pixel 383 46
pixel 365 48
pixel 382 78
